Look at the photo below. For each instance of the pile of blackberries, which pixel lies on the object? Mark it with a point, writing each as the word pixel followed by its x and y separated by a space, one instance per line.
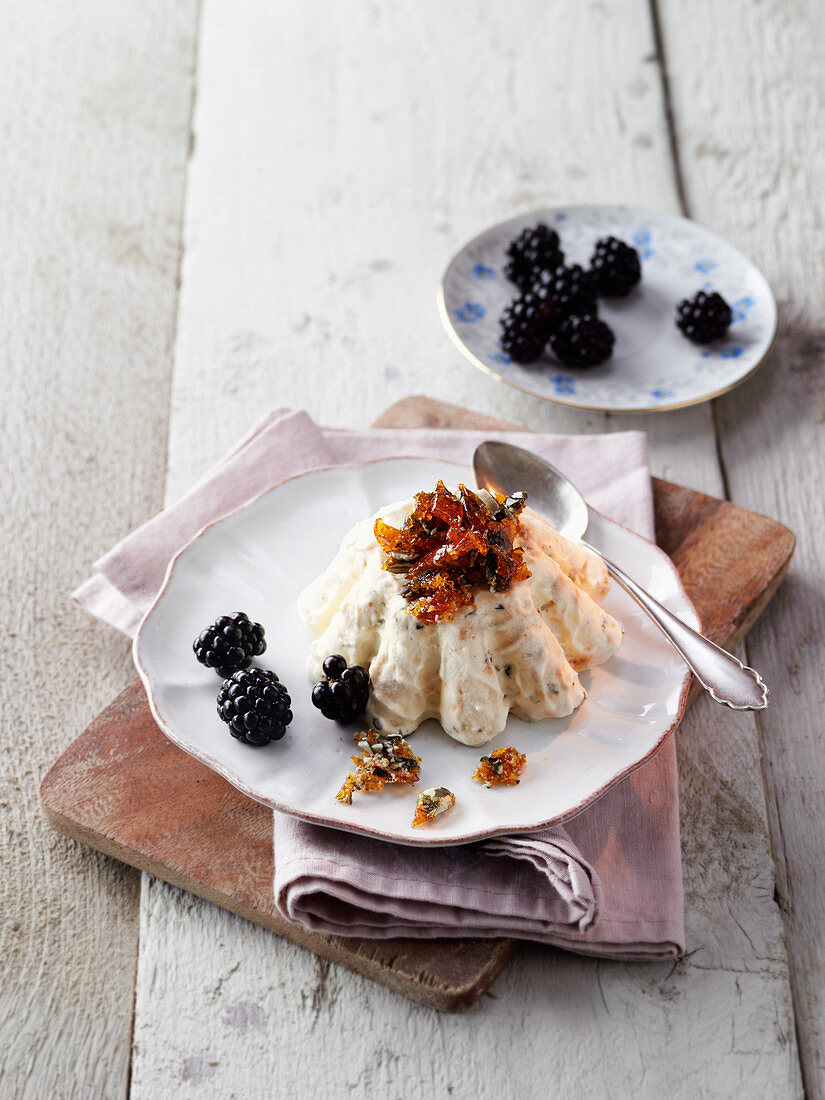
pixel 252 701
pixel 558 304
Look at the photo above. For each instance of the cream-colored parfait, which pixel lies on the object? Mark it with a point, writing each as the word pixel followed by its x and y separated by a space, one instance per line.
pixel 515 650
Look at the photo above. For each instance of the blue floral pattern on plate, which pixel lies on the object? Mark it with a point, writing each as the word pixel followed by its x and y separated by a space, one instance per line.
pixel 641 242
pixel 705 265
pixel 653 367
pixel 741 308
pixel 470 312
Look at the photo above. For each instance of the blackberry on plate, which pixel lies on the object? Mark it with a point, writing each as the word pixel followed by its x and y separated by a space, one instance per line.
pixel 583 341
pixel 616 267
pixel 704 317
pixel 230 643
pixel 525 328
pixel 533 250
pixel 344 692
pixel 563 291
pixel 255 705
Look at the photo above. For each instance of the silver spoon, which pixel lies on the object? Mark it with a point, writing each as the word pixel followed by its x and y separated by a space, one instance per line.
pixel 503 468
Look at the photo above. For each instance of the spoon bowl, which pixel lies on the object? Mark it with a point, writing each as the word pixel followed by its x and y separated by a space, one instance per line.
pixel 504 468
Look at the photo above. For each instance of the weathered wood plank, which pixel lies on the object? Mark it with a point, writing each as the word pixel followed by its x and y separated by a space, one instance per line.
pixel 752 140
pixel 94 112
pixel 373 142
pixel 310 276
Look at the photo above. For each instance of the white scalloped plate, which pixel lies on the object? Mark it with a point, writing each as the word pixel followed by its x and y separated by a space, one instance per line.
pixel 654 367
pixel 259 558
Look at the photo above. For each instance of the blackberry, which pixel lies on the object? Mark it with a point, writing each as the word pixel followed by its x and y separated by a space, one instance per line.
pixel 344 692
pixel 532 251
pixel 616 267
pixel 230 643
pixel 255 705
pixel 563 291
pixel 525 328
pixel 583 341
pixel 704 317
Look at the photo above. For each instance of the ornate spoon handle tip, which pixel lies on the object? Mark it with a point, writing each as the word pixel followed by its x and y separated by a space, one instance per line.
pixel 722 675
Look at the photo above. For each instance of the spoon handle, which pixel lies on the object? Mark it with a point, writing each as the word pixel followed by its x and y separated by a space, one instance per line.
pixel 721 674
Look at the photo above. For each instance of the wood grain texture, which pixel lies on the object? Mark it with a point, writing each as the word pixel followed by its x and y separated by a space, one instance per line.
pixel 341 154
pixel 402 133
pixel 752 140
pixel 94 113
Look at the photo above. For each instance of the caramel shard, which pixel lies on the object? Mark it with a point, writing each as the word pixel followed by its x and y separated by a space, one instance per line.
pixel 451 545
pixel 501 769
pixel 431 804
pixel 385 758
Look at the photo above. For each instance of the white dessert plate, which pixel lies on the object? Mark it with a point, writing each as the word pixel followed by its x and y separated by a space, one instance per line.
pixel 258 560
pixel 654 367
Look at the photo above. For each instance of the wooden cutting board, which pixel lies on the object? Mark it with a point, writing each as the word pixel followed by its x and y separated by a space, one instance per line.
pixel 124 789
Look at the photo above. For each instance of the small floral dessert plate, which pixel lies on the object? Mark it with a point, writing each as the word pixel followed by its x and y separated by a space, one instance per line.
pixel 653 367
pixel 260 557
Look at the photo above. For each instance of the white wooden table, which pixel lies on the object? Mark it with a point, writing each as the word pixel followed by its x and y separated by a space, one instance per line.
pixel 211 209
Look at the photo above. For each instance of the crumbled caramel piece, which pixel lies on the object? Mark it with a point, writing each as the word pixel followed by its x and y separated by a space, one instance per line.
pixel 451 545
pixel 431 804
pixel 385 758
pixel 502 768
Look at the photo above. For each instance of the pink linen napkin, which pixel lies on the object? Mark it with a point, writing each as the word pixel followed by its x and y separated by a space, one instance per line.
pixel 608 883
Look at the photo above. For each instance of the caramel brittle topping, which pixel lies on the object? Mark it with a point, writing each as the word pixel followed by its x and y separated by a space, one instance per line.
pixel 501 768
pixel 451 545
pixel 431 804
pixel 385 758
